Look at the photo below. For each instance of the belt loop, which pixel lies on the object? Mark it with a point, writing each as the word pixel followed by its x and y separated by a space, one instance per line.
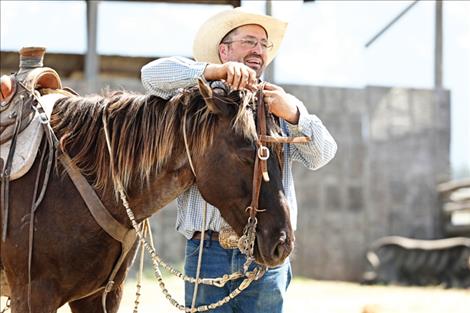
pixel 208 242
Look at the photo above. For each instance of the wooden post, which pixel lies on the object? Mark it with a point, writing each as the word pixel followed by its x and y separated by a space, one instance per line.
pixel 269 71
pixel 438 43
pixel 91 58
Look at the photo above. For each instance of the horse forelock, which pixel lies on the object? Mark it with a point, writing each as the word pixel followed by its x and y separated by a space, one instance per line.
pixel 144 132
pixel 244 122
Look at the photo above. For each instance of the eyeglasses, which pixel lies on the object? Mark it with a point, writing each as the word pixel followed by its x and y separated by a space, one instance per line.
pixel 250 43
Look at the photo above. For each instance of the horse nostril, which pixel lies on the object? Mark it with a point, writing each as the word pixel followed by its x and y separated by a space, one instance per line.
pixel 283 238
pixel 283 246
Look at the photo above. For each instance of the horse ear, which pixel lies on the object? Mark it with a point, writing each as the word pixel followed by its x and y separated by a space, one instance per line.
pixel 204 88
pixel 206 93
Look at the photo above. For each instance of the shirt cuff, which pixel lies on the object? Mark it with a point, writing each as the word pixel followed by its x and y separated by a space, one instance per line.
pixel 305 120
pixel 197 70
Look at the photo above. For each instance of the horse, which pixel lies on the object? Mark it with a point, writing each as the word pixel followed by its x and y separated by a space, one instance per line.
pixel 72 256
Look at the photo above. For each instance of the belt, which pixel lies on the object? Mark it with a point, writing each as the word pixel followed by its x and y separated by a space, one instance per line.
pixel 227 238
pixel 213 235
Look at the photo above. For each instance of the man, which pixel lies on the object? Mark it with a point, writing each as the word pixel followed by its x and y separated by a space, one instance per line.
pixel 236 46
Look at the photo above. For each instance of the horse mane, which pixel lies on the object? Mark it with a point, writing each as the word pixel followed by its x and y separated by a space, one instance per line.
pixel 144 130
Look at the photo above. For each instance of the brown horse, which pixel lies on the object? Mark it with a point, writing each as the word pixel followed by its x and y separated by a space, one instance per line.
pixel 72 255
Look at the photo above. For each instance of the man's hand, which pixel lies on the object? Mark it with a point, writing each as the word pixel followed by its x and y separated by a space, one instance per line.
pixel 280 103
pixel 236 74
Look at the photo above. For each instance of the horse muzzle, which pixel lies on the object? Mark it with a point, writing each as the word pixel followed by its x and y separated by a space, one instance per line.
pixel 272 250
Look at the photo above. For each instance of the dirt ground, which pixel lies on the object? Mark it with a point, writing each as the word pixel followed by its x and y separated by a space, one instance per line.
pixel 313 296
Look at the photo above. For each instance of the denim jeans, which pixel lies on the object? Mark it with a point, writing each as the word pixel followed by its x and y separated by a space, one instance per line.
pixel 264 295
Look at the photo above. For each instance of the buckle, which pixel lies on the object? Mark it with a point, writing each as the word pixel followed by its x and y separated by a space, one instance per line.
pixel 228 238
pixel 263 153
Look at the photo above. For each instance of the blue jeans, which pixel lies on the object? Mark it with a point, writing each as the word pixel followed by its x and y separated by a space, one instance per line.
pixel 264 295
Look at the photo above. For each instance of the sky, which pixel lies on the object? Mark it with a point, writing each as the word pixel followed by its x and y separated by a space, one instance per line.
pixel 328 36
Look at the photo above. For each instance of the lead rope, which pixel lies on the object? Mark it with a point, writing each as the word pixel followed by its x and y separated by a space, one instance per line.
pixel 185 138
pixel 204 216
pixel 147 231
pixel 199 258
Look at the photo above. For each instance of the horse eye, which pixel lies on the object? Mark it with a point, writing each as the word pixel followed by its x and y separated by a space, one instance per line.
pixel 247 153
pixel 220 91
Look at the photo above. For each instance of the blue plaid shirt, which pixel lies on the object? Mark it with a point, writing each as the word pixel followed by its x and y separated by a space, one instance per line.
pixel 164 77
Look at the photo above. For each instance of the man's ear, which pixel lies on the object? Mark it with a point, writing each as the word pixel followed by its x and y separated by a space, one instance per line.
pixel 223 52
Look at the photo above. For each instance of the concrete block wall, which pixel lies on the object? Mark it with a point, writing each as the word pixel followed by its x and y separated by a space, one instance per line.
pixel 393 150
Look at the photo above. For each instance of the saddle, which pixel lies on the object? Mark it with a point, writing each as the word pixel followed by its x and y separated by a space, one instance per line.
pixel 17 87
pixel 19 116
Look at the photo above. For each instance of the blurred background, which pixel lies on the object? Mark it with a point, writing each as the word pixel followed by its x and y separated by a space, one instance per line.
pixel 390 80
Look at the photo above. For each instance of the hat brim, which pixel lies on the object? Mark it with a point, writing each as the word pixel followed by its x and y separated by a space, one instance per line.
pixel 207 40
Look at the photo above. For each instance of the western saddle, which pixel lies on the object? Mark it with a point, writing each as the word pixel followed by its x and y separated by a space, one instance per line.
pixel 20 120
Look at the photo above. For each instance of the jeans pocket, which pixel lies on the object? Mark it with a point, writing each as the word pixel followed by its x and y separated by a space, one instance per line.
pixel 192 248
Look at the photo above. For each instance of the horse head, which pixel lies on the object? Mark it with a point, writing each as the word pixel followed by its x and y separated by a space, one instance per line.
pixel 224 174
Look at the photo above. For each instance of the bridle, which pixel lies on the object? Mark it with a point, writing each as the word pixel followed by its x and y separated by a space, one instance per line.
pixel 260 172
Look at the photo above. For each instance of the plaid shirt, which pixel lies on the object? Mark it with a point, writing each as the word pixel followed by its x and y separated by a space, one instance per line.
pixel 164 77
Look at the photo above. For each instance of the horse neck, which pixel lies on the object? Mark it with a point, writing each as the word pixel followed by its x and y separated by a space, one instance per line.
pixel 173 179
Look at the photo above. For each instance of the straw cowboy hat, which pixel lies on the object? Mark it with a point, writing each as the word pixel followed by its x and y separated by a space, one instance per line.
pixel 210 34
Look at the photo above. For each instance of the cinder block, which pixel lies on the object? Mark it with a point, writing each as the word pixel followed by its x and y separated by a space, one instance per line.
pixel 355 199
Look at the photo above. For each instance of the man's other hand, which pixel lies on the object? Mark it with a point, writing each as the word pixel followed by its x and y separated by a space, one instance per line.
pixel 281 103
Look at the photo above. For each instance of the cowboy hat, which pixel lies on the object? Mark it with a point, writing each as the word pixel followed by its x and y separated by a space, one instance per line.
pixel 207 40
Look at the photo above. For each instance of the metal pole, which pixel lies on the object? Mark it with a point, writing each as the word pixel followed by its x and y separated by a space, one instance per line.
pixel 91 57
pixel 269 71
pixel 390 24
pixel 438 46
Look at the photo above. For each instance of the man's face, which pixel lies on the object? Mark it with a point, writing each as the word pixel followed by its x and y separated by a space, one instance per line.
pixel 239 47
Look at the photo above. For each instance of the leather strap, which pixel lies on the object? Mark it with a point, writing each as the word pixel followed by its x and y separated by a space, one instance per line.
pixel 39 193
pixel 6 173
pixel 261 116
pixel 260 170
pixel 93 202
pixel 31 225
pixel 126 236
pixel 126 245
pixel 302 139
